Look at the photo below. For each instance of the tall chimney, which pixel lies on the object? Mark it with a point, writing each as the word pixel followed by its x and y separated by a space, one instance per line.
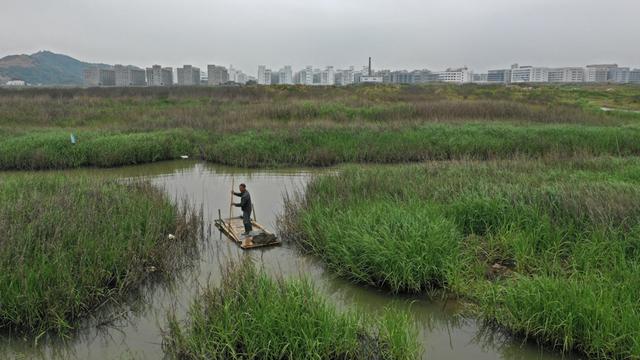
pixel 369 66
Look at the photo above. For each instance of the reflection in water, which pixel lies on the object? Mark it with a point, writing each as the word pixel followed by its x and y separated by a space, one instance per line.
pixel 136 331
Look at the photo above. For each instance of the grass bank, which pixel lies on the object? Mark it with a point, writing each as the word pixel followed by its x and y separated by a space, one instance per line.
pixel 71 245
pixel 547 250
pixel 251 316
pixel 54 150
pixel 320 146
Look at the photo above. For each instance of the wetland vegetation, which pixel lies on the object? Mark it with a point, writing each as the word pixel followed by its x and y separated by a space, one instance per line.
pixel 293 125
pixel 545 249
pixel 72 245
pixel 523 204
pixel 252 316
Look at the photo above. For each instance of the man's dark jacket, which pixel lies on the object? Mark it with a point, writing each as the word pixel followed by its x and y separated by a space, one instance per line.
pixel 245 201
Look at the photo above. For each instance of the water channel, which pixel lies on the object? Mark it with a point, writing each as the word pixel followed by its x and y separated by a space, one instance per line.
pixel 136 331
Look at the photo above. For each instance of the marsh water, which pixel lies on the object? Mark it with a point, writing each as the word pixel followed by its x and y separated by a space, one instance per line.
pixel 135 331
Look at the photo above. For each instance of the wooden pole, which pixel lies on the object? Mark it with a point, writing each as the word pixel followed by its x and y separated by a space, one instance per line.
pixel 219 215
pixel 254 212
pixel 233 184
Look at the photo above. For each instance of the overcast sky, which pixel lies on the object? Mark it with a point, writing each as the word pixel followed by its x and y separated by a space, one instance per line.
pixel 398 34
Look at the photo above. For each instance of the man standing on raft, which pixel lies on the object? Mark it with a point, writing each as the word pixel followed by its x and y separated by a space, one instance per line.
pixel 245 206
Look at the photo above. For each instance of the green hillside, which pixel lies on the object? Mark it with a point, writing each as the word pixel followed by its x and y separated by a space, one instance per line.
pixel 45 68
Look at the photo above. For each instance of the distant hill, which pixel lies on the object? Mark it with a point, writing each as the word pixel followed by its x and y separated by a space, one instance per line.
pixel 44 67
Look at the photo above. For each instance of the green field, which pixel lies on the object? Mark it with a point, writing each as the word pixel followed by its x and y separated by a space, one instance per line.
pixel 546 249
pixel 72 245
pixel 292 125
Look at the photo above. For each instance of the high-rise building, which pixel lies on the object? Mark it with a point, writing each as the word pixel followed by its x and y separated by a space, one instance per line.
pixel 317 77
pixel 566 75
pixel 285 75
pixel 555 76
pixel 423 76
pixel 264 75
pixel 480 78
pixel 499 76
pixel 217 75
pixel 233 74
pixel 598 73
pixel 619 75
pixel 539 74
pixel 385 75
pixel 344 77
pixel 159 76
pixel 401 77
pixel 129 76
pixel 188 76
pixel 521 74
pixel 95 76
pixel 167 76
pixel 634 76
pixel 327 76
pixel 275 77
pixel 305 76
pixel 461 75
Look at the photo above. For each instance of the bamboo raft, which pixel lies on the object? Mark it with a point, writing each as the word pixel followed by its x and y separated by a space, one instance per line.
pixel 233 229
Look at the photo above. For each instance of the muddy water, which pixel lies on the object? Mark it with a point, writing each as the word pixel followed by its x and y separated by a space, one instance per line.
pixel 135 331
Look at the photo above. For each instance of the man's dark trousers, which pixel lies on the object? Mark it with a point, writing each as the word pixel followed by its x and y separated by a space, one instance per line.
pixel 246 220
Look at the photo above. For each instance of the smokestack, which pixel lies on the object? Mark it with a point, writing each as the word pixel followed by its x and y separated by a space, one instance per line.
pixel 369 66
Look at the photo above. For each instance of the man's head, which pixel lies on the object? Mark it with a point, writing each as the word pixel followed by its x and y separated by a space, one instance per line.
pixel 243 187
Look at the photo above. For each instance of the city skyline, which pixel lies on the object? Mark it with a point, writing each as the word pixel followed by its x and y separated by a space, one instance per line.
pixel 399 34
pixel 215 75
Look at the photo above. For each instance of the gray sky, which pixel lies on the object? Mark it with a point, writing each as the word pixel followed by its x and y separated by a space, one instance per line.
pixel 397 34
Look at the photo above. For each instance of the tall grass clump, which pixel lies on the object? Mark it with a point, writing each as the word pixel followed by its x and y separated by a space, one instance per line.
pixel 544 249
pixel 403 247
pixel 592 314
pixel 70 245
pixel 321 147
pixel 54 150
pixel 251 316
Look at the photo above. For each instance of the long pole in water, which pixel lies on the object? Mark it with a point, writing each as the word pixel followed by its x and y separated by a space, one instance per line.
pixel 233 185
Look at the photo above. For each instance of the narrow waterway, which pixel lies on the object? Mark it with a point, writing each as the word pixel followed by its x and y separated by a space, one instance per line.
pixel 136 330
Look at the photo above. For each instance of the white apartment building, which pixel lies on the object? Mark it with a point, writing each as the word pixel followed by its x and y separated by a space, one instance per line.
pixel 127 76
pixel 159 76
pixel 566 75
pixel 217 75
pixel 461 75
pixel 527 74
pixel 539 74
pixel 346 77
pixel 306 76
pixel 188 76
pixel 480 78
pixel 285 75
pixel 598 72
pixel 619 75
pixel 233 73
pixel 264 75
pixel 328 76
pixel 95 76
pixel 521 74
pixel 634 76
pixel 16 83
